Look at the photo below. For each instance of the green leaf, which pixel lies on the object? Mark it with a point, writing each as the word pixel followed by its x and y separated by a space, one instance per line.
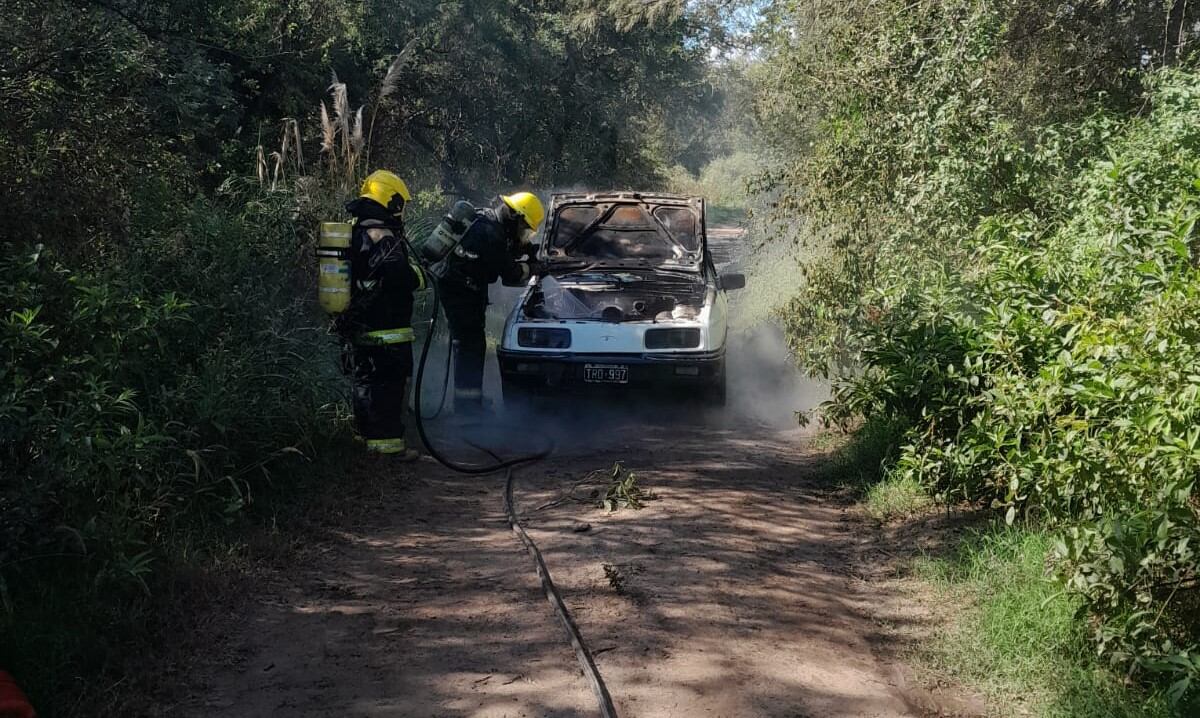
pixel 1181 249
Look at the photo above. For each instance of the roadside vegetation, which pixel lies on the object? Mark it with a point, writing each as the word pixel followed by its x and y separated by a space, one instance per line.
pixel 1019 640
pixel 1000 264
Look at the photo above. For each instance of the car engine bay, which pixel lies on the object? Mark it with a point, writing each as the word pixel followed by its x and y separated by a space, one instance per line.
pixel 617 296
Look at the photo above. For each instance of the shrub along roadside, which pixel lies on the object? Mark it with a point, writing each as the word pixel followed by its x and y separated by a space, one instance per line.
pixel 1064 381
pixel 144 404
pixel 1005 267
pixel 896 497
pixel 1059 377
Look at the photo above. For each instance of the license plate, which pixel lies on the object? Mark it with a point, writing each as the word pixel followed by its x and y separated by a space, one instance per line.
pixel 606 373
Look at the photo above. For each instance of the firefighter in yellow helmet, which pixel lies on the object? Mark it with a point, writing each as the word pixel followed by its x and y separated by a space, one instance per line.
pixel 497 246
pixel 378 325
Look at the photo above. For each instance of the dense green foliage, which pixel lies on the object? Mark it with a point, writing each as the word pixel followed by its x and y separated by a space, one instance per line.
pixel 144 407
pixel 466 94
pixel 163 362
pixel 1002 200
pixel 110 414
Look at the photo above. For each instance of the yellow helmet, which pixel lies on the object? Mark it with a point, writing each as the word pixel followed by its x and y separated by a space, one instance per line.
pixel 384 187
pixel 528 206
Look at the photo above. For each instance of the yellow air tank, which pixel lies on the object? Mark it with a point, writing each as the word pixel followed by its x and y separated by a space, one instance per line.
pixel 333 257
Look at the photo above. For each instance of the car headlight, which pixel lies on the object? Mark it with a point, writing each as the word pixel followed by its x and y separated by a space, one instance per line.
pixel 672 338
pixel 536 337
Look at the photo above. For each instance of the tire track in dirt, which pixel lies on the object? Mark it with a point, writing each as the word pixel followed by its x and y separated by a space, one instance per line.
pixel 737 596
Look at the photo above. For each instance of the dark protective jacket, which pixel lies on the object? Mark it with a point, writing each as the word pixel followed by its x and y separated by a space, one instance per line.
pixel 490 250
pixel 383 277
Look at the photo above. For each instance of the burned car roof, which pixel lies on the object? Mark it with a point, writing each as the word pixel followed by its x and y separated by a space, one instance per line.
pixel 625 229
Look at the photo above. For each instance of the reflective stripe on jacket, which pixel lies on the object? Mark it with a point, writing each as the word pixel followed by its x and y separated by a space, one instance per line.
pixel 400 335
pixel 387 446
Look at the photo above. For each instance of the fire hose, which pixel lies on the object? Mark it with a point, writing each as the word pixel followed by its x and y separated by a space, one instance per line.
pixel 584 656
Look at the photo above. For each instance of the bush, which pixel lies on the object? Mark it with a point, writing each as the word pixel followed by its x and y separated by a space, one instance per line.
pixel 1005 263
pixel 144 401
pixel 896 497
pixel 1063 378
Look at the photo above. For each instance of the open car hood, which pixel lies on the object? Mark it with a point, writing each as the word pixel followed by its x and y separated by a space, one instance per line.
pixel 625 229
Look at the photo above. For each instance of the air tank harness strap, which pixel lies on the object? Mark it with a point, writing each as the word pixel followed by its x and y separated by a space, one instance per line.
pixel 402 335
pixel 420 272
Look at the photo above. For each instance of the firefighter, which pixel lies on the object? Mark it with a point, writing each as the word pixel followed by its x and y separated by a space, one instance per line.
pixel 497 246
pixel 378 325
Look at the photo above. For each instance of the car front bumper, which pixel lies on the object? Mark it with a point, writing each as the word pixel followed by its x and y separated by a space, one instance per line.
pixel 645 371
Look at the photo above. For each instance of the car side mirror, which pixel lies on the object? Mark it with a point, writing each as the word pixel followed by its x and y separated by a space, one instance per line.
pixel 732 281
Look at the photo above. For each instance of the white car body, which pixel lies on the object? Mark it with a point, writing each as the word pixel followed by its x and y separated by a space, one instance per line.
pixel 630 296
pixel 592 337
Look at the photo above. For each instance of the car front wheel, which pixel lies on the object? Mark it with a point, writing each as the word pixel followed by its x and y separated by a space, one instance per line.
pixel 717 393
pixel 518 398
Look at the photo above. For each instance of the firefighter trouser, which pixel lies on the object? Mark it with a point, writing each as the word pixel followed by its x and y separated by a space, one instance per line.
pixel 466 310
pixel 381 373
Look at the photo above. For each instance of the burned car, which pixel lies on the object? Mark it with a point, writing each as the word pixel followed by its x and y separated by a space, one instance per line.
pixel 629 296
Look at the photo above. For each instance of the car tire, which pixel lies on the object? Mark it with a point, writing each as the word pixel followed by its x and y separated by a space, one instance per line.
pixel 518 398
pixel 717 394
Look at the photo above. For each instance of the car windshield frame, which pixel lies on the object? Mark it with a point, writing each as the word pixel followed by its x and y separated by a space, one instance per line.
pixel 691 258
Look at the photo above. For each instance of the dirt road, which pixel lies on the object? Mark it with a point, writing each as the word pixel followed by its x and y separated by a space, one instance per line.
pixel 735 593
pixel 740 591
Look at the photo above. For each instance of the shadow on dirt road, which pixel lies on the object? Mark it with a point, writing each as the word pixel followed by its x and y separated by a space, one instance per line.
pixel 735 592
